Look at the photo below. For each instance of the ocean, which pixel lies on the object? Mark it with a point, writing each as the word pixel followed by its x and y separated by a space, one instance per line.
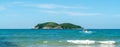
pixel 59 38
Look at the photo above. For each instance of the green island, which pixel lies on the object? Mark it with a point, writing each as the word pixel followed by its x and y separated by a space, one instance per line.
pixel 53 25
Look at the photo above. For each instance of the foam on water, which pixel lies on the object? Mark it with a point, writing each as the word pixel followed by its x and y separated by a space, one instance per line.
pixel 89 32
pixel 106 42
pixel 81 41
pixel 86 32
pixel 90 42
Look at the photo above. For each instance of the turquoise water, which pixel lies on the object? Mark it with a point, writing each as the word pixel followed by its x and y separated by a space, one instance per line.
pixel 59 38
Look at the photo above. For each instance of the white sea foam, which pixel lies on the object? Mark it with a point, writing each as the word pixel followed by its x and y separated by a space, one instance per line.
pixel 87 32
pixel 81 41
pixel 45 41
pixel 106 42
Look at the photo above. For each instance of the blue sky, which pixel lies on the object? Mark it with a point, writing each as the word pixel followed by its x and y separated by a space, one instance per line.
pixel 25 14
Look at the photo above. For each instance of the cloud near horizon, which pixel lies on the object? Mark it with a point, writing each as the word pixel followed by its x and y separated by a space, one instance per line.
pixel 70 13
pixel 55 6
pixel 46 8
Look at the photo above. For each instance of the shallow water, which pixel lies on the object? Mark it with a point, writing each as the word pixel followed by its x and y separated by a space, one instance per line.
pixel 59 38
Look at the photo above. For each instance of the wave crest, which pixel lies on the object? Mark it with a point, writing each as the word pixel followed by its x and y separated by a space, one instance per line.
pixel 81 41
pixel 90 42
pixel 107 42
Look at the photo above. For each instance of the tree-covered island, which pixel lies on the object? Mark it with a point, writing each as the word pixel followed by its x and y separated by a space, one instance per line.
pixel 53 25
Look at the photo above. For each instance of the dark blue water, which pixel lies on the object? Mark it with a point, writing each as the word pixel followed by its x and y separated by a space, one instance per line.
pixel 57 38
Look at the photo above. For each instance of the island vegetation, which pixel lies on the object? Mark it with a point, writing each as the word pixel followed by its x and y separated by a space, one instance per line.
pixel 53 25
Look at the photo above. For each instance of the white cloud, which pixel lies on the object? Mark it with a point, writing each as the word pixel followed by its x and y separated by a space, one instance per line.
pixel 70 13
pixel 49 6
pixel 50 12
pixel 45 6
pixel 54 6
pixel 17 2
pixel 82 14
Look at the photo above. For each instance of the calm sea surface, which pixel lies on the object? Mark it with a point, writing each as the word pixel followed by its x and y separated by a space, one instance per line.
pixel 59 38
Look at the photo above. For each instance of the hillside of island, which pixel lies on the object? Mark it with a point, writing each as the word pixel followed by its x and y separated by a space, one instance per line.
pixel 53 25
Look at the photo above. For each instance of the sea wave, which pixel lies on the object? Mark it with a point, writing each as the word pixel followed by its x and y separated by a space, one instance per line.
pixel 81 41
pixel 90 42
pixel 107 42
